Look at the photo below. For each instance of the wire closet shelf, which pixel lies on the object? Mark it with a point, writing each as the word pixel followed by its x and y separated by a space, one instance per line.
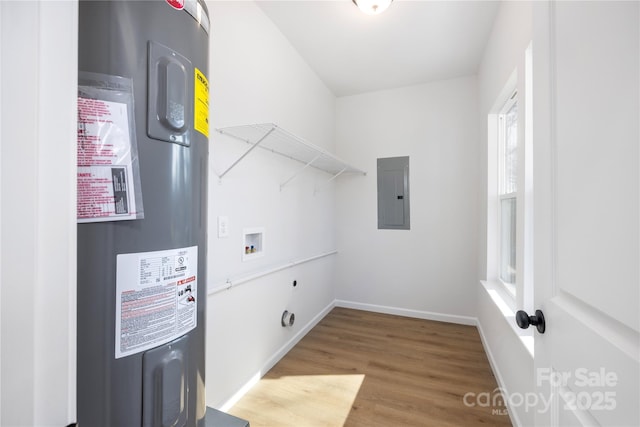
pixel 271 137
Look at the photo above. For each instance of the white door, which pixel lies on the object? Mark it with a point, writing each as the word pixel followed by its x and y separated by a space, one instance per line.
pixel 586 135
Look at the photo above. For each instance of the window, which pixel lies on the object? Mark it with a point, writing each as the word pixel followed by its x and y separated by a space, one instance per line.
pixel 508 190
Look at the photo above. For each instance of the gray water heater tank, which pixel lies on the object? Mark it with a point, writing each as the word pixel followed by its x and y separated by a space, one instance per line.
pixel 142 281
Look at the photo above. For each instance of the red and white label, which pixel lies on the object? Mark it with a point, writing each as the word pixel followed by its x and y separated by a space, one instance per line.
pixel 155 298
pixel 176 4
pixel 185 281
pixel 106 185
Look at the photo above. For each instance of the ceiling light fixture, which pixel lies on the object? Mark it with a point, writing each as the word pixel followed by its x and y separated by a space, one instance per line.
pixel 372 7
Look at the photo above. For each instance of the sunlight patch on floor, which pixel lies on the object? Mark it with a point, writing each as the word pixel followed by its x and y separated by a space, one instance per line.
pixel 318 400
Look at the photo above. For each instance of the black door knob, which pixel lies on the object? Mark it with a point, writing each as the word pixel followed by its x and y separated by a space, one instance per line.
pixel 524 320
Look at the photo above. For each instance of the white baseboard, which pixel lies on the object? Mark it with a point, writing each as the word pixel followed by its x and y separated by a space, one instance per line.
pixel 282 351
pixel 297 337
pixel 275 358
pixel 418 314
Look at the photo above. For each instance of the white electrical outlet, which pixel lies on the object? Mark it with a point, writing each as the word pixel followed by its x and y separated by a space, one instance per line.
pixel 223 227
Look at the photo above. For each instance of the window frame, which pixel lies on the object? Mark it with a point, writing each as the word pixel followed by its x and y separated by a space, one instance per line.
pixel 519 296
pixel 502 195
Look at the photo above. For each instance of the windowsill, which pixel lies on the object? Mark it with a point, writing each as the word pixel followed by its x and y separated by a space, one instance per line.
pixel 506 304
pixel 510 292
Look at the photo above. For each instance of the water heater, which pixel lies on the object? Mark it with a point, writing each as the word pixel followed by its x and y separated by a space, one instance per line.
pixel 142 212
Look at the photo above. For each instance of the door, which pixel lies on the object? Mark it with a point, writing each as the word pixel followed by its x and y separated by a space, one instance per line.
pixel 586 184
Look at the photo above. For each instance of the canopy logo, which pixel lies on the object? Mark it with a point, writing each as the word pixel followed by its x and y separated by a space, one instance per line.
pixel 578 390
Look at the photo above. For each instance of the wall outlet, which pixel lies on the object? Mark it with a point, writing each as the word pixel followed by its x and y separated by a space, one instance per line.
pixel 223 227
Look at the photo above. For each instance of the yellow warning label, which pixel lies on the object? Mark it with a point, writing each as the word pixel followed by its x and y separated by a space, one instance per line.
pixel 201 109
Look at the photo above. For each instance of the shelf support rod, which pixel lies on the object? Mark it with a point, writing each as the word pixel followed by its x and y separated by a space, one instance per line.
pixel 255 144
pixel 336 175
pixel 299 171
pixel 316 190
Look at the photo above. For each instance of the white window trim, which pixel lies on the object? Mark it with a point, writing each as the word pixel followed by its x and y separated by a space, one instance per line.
pixel 520 296
pixel 511 100
pixel 494 170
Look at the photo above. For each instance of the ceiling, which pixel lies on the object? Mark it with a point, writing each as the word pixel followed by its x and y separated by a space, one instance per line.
pixel 412 42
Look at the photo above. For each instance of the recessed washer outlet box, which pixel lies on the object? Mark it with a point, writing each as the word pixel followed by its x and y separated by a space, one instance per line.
pixel 253 243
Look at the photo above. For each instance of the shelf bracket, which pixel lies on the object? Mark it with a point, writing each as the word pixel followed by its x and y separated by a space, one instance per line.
pixel 255 144
pixel 331 179
pixel 299 171
pixel 336 175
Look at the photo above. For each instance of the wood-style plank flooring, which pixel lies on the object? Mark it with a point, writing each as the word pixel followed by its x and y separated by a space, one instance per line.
pixel 358 368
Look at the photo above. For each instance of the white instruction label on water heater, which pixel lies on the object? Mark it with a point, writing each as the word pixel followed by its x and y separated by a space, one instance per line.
pixel 105 173
pixel 155 298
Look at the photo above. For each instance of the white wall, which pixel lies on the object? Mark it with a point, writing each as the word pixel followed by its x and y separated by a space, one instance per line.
pixel 37 253
pixel 430 270
pixel 504 53
pixel 510 360
pixel 256 76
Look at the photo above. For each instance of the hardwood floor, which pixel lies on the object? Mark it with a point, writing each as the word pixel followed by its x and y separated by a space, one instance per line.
pixel 358 368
